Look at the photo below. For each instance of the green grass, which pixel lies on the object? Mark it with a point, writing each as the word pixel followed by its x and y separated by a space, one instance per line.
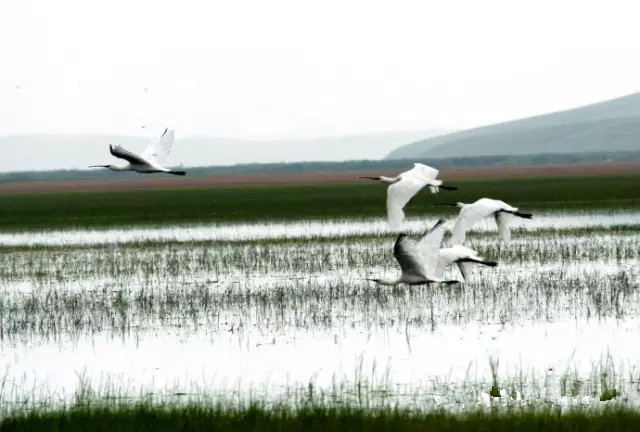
pixel 366 199
pixel 142 418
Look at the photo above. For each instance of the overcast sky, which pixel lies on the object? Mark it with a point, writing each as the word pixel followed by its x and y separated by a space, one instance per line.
pixel 277 69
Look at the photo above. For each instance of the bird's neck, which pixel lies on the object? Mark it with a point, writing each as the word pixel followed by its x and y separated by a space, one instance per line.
pixel 388 282
pixel 119 168
pixel 389 180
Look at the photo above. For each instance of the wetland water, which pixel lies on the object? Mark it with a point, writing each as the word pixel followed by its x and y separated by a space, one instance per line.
pixel 248 315
pixel 296 230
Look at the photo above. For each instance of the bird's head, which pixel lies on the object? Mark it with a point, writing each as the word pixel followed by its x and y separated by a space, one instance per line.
pixel 456 204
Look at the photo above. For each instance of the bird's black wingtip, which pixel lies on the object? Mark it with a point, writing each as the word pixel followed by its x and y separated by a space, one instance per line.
pixel 523 215
pixel 180 173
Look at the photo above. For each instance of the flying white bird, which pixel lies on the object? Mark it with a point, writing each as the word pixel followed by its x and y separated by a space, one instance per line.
pixel 439 259
pixel 413 265
pixel 404 186
pixel 151 159
pixel 483 208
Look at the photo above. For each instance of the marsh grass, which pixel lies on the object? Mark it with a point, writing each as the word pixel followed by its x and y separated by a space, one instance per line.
pixel 309 304
pixel 52 292
pixel 142 418
pixel 255 417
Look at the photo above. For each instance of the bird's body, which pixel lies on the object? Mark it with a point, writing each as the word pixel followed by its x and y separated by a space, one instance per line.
pixel 439 259
pixel 415 268
pixel 404 186
pixel 151 159
pixel 470 214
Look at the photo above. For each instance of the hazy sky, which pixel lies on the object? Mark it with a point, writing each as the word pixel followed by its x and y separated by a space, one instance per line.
pixel 274 69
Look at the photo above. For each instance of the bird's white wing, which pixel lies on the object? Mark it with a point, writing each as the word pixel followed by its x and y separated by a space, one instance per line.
pixel 428 174
pixel 459 251
pixel 459 231
pixel 465 269
pixel 503 205
pixel 430 244
pixel 502 220
pixel 424 171
pixel 399 194
pixel 409 257
pixel 441 265
pixel 157 152
pixel 468 217
pixel 122 153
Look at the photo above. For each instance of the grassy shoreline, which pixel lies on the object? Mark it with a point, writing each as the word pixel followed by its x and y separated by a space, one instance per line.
pixel 143 417
pixel 319 202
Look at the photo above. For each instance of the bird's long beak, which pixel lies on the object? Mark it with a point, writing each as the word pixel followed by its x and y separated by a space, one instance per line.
pixel 447 204
pixel 98 166
pixel 370 178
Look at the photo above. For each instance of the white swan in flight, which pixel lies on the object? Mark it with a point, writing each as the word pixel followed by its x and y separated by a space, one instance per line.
pixel 405 185
pixel 439 258
pixel 483 208
pixel 151 159
pixel 413 265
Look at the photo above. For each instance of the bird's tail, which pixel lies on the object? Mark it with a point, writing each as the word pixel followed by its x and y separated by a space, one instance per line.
pixel 181 173
pixel 448 187
pixel 523 215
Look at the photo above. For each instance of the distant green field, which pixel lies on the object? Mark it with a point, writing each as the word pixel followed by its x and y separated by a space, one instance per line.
pixel 255 203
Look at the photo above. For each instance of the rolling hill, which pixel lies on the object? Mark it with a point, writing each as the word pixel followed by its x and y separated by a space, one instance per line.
pixel 613 125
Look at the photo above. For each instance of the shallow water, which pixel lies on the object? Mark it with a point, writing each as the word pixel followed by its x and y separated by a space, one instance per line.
pixel 265 318
pixel 298 230
pixel 251 359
